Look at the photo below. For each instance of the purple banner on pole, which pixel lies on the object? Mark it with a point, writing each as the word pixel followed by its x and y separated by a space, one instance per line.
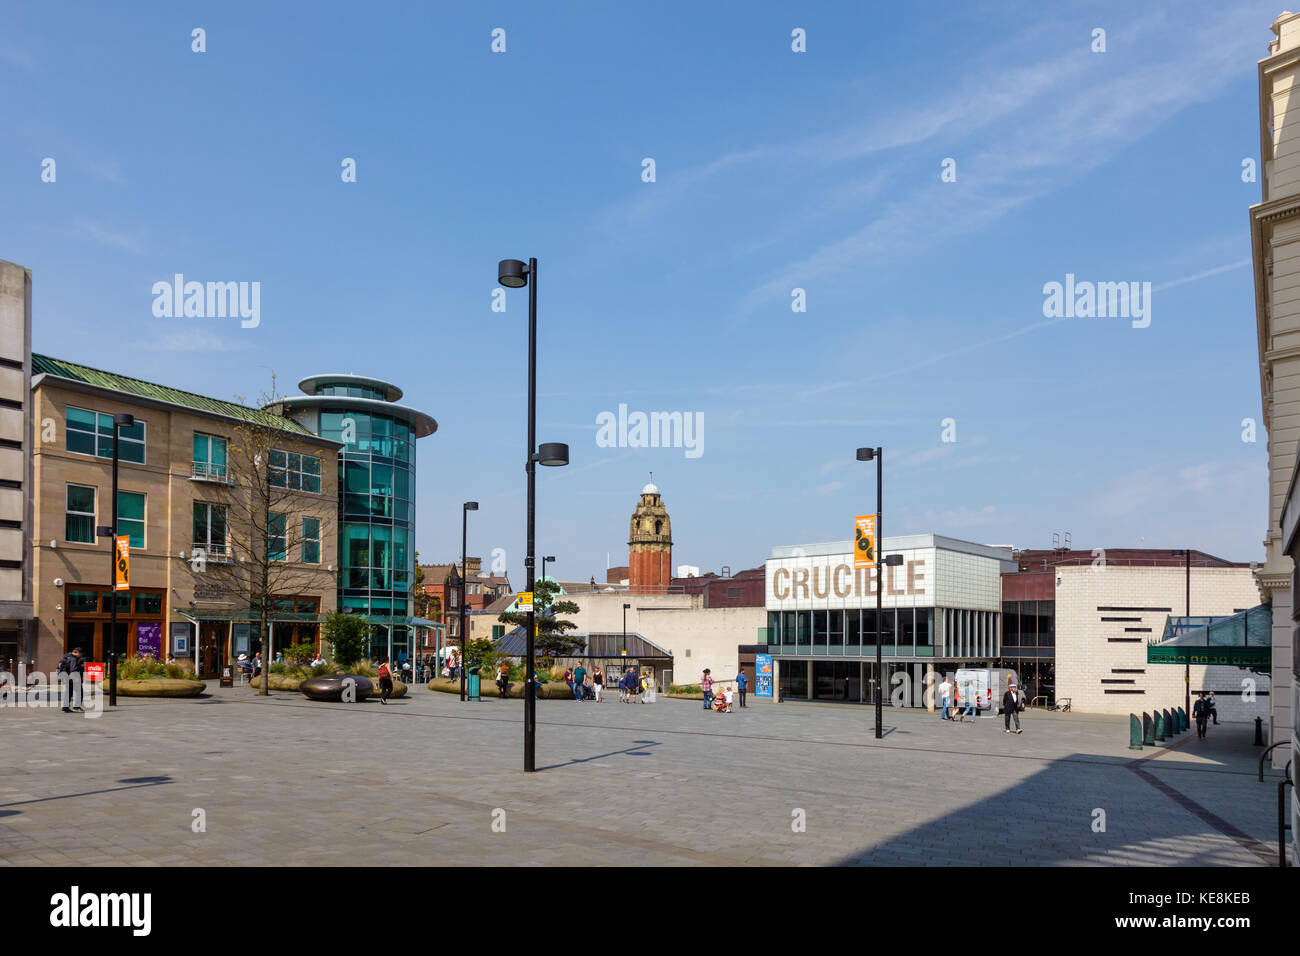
pixel 148 640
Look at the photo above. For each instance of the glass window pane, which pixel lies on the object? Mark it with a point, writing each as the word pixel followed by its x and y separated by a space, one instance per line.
pixel 86 602
pixel 79 529
pixel 131 451
pixel 130 505
pixel 80 442
pixel 81 419
pixel 81 498
pixel 356 477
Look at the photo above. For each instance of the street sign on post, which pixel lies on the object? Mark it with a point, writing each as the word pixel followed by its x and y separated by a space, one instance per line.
pixel 122 576
pixel 525 602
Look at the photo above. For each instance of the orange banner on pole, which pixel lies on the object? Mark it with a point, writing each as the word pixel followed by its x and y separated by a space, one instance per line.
pixel 122 577
pixel 864 541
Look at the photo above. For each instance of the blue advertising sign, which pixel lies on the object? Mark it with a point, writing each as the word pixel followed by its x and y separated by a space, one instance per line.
pixel 763 675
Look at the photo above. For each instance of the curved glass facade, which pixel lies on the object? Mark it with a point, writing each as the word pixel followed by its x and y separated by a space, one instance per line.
pixel 376 523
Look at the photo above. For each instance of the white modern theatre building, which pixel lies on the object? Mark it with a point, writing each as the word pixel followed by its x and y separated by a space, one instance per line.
pixel 942 607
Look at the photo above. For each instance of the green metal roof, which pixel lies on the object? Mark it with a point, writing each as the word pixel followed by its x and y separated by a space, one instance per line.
pixel 45 365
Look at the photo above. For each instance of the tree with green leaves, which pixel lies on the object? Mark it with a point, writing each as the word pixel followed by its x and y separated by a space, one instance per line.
pixel 348 635
pixel 551 640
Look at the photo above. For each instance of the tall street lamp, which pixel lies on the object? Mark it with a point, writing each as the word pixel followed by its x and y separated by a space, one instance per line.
pixel 514 274
pixel 1187 671
pixel 625 607
pixel 893 560
pixel 120 421
pixel 545 558
pixel 464 532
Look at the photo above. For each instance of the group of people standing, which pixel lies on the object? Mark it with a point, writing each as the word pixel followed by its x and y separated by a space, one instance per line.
pixel 632 687
pixel 953 697
pixel 722 702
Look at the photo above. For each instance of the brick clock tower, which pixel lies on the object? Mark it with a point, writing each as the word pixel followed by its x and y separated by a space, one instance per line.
pixel 650 544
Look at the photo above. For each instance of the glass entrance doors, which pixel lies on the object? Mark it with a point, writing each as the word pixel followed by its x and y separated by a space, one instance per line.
pixel 837 680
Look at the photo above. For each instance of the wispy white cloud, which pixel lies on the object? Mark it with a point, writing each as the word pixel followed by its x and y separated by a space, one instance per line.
pixel 1218 270
pixel 1050 123
pixel 193 340
pixel 95 232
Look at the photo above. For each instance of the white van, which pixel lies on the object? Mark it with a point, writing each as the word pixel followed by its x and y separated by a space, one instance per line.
pixel 989 684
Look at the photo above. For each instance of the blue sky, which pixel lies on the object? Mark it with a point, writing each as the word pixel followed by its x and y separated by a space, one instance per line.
pixel 775 170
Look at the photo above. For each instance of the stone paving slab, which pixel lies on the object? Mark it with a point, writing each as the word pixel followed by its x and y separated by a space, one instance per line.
pixel 420 781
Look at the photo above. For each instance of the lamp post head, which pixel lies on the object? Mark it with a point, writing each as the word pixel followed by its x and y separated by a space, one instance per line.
pixel 549 557
pixel 124 420
pixel 866 454
pixel 553 454
pixel 626 606
pixel 471 506
pixel 512 274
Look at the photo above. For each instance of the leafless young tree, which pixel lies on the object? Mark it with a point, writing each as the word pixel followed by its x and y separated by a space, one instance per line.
pixel 262 536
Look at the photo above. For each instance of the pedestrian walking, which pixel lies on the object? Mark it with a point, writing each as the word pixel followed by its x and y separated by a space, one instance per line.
pixel 643 686
pixel 385 681
pixel 579 679
pixel 1011 708
pixel 728 697
pixel 597 684
pixel 1201 711
pixel 503 679
pixel 69 674
pixel 1212 706
pixel 707 685
pixel 969 710
pixel 741 683
pixel 945 695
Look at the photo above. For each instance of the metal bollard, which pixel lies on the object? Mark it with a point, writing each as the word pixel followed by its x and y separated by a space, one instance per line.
pixel 1148 731
pixel 1170 729
pixel 1134 732
pixel 1160 727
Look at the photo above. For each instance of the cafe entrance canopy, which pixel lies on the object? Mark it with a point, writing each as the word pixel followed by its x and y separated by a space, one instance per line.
pixel 1243 639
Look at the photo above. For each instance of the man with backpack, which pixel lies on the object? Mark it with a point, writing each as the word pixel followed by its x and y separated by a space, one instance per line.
pixel 69 674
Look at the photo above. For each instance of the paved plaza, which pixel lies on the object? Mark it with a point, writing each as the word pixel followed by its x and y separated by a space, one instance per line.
pixel 423 780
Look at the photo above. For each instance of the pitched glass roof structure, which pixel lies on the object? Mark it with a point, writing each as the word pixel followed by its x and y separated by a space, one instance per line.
pixel 1243 639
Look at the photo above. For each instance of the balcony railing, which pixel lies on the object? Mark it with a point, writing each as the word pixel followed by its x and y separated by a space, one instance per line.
pixel 208 471
pixel 215 553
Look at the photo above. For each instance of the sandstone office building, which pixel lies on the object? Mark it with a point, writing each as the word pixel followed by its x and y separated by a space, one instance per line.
pixel 176 481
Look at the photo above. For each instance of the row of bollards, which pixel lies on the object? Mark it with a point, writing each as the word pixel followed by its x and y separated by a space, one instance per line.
pixel 1149 731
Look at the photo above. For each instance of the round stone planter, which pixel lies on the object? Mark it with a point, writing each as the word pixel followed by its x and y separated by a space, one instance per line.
pixel 274 682
pixel 330 687
pixel 159 687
